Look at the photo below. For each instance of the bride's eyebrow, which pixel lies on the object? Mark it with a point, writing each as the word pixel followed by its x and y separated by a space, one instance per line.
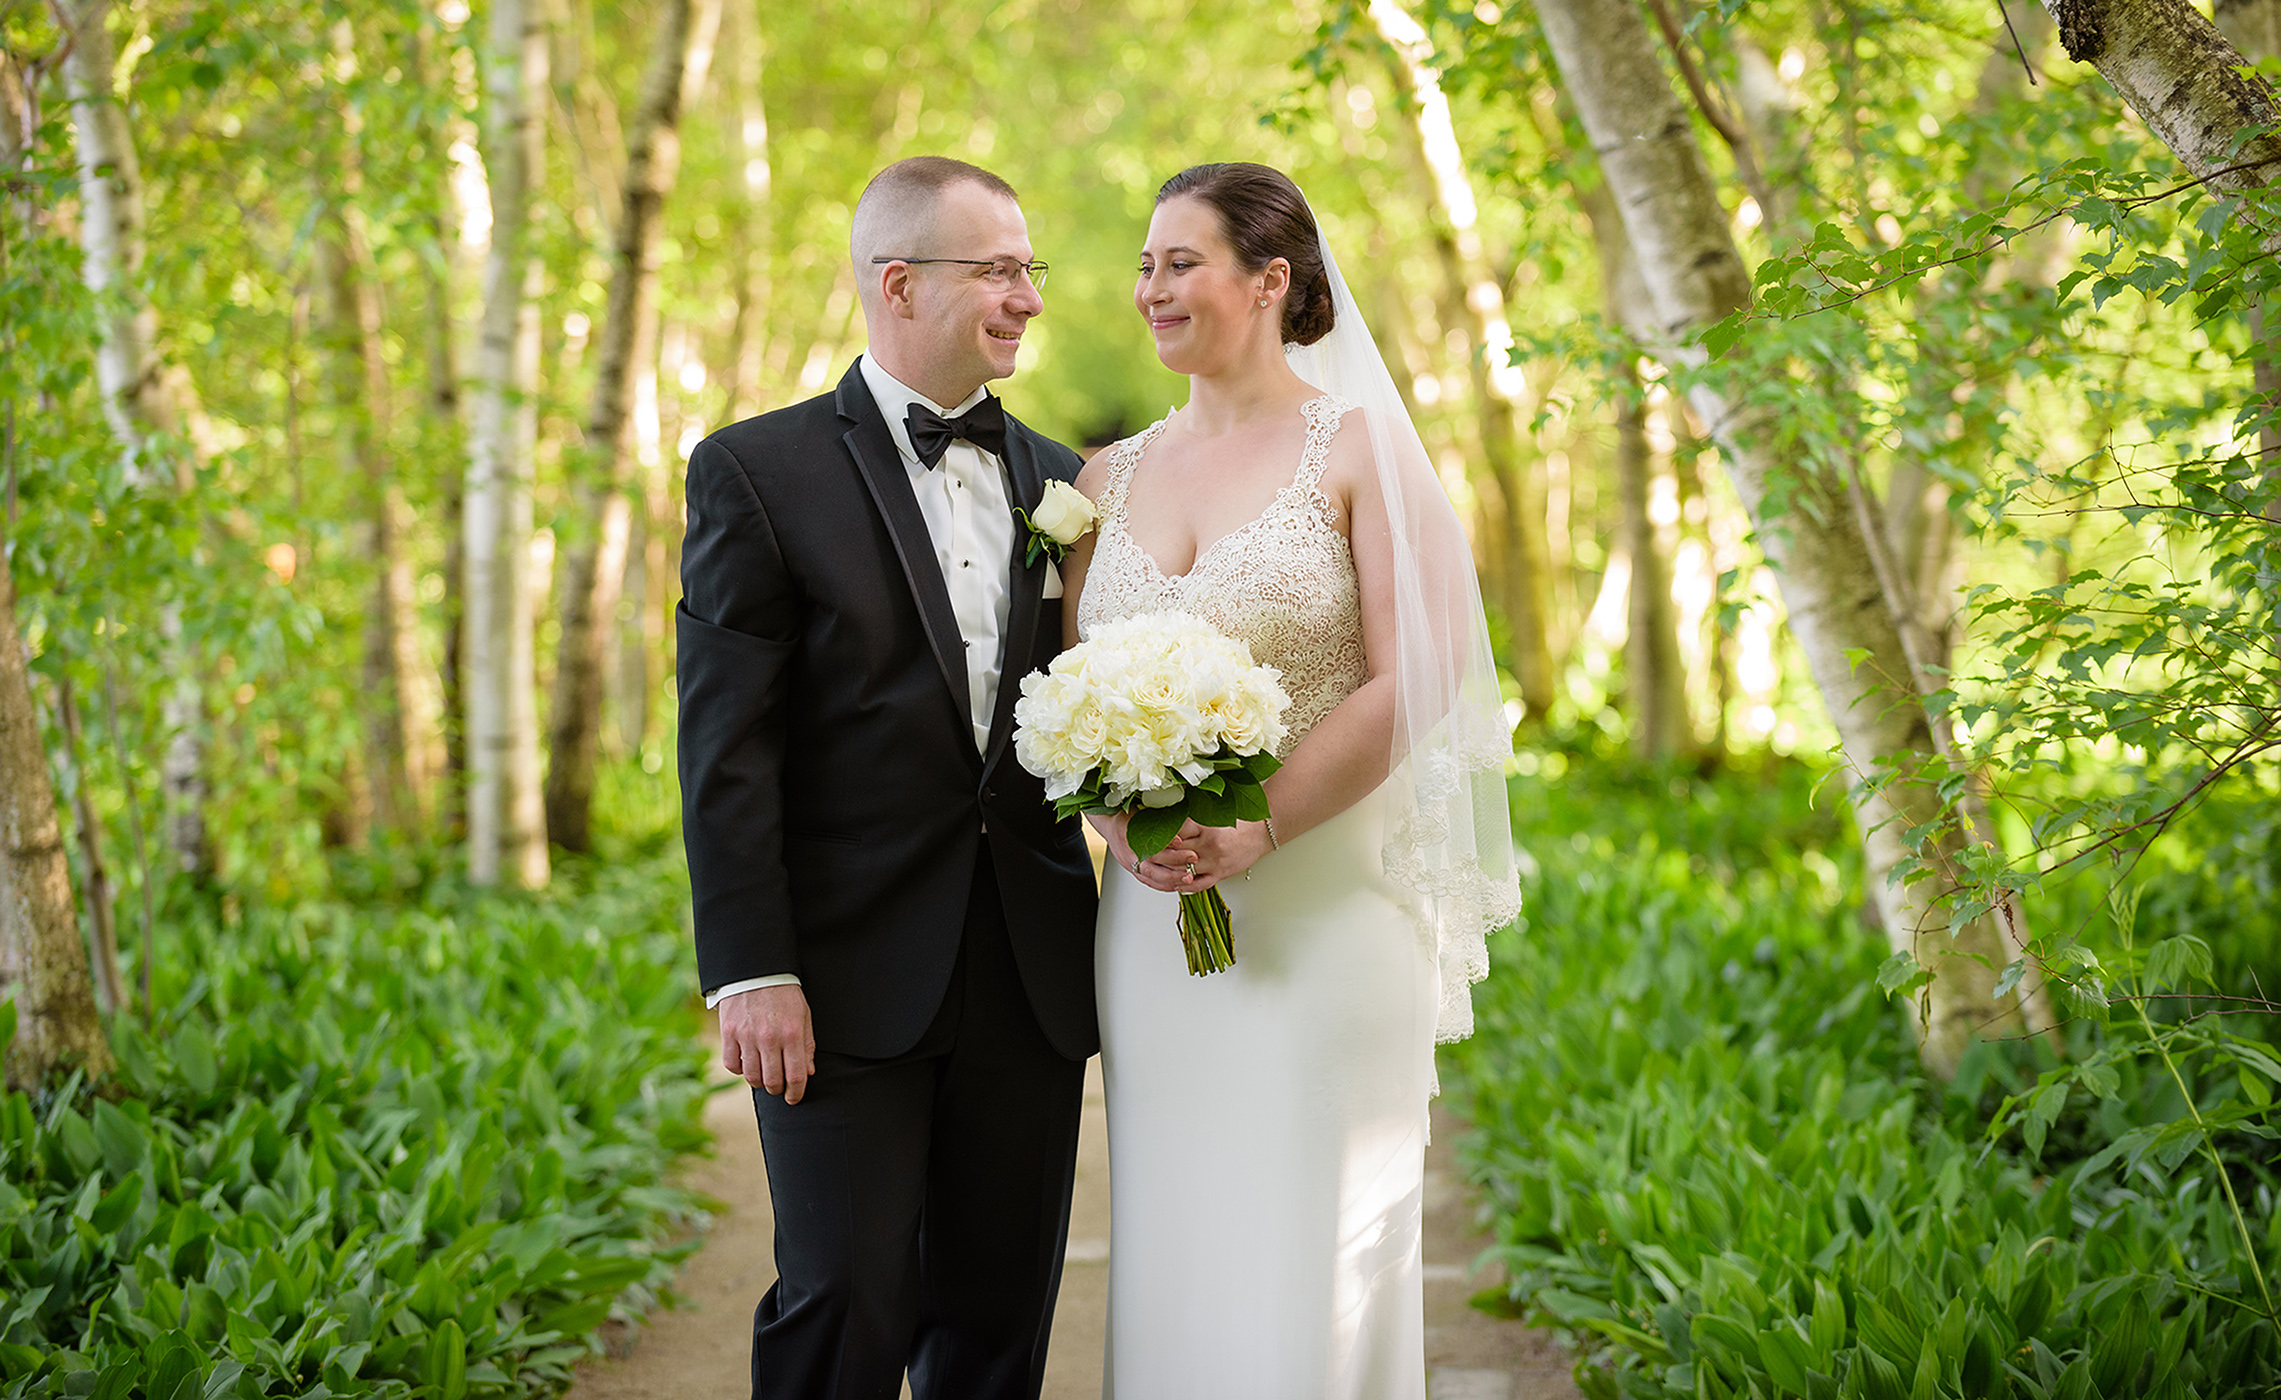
pixel 1191 252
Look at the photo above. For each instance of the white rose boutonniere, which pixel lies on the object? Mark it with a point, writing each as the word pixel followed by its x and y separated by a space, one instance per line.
pixel 1060 519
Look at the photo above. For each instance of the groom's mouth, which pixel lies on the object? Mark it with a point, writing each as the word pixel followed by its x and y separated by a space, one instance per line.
pixel 1010 337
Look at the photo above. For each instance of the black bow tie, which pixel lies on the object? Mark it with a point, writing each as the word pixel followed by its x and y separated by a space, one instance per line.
pixel 984 425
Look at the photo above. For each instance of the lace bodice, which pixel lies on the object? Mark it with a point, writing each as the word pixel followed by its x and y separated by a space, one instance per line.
pixel 1284 584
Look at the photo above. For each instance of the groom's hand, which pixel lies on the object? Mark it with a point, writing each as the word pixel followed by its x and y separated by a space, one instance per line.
pixel 766 1037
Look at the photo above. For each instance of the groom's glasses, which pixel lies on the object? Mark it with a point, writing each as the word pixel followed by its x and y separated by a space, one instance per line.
pixel 1000 273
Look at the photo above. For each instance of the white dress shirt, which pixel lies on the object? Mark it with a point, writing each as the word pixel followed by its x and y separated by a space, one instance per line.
pixel 970 517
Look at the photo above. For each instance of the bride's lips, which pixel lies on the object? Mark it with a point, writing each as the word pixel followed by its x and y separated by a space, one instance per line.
pixel 1165 323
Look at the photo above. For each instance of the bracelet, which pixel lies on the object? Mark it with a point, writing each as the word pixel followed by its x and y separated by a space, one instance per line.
pixel 1272 843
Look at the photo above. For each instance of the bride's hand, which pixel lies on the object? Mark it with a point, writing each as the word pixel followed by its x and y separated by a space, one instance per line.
pixel 1221 853
pixel 1167 870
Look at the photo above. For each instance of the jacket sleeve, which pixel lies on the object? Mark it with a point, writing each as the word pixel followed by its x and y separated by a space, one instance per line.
pixel 736 632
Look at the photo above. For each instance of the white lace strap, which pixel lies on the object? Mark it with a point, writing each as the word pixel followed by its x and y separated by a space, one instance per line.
pixel 1323 415
pixel 1123 458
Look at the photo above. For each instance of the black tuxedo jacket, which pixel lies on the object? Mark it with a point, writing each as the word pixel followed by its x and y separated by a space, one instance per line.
pixel 832 798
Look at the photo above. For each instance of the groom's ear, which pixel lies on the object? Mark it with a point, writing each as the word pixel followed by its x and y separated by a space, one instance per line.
pixel 895 285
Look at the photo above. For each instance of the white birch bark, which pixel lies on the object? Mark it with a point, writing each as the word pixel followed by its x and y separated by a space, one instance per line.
pixel 746 48
pixel 499 686
pixel 403 718
pixel 1695 276
pixel 463 200
pixel 2254 27
pixel 1474 302
pixel 43 964
pixel 146 401
pixel 2184 80
pixel 1654 679
pixel 595 572
pixel 102 914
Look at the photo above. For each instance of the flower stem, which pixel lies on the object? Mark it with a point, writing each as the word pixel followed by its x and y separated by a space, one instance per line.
pixel 1206 934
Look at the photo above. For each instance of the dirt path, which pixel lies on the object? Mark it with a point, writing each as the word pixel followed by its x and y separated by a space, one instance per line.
pixel 700 1351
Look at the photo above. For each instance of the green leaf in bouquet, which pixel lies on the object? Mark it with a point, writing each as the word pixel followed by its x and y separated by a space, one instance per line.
pixel 1152 828
pixel 1261 765
pixel 1250 800
pixel 1211 807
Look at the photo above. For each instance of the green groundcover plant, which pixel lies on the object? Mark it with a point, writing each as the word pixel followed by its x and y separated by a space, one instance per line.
pixel 364 1152
pixel 1712 1159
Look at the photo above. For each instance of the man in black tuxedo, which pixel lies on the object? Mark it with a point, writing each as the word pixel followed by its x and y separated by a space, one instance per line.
pixel 896 932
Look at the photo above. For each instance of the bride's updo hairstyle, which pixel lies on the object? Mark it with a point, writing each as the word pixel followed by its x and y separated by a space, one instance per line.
pixel 1264 217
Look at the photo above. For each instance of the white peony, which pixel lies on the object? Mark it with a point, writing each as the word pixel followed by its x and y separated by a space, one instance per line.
pixel 1143 705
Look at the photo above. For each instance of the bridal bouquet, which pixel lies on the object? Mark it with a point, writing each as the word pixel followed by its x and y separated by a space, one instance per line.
pixel 1162 716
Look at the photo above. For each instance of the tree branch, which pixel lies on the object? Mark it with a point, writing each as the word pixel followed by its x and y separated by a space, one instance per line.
pixel 1730 131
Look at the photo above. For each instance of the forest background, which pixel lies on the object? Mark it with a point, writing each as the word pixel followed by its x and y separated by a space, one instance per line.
pixel 1862 411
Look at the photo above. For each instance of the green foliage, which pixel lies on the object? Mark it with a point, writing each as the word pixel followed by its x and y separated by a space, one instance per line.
pixel 411 1152
pixel 1711 1157
pixel 1228 793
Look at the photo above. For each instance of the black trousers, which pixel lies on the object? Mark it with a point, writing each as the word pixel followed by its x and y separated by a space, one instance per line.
pixel 922 1202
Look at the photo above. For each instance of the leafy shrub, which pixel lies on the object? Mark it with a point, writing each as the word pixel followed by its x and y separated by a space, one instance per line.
pixel 414 1152
pixel 1711 1156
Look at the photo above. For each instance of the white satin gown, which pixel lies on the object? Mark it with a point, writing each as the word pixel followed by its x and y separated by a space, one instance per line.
pixel 1267 1123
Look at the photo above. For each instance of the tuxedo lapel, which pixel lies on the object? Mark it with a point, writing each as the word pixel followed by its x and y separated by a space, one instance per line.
pixel 1024 583
pixel 873 448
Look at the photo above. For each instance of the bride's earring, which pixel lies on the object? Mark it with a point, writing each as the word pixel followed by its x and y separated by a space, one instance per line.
pixel 1263 301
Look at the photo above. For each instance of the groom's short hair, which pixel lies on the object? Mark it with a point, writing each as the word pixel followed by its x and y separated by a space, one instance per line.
pixel 896 215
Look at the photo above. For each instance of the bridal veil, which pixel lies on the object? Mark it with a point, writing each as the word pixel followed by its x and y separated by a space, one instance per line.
pixel 1449 836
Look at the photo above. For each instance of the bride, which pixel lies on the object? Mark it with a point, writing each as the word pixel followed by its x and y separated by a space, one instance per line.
pixel 1267 1124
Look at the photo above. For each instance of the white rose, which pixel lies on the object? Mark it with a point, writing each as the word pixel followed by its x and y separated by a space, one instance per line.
pixel 1087 732
pixel 1244 729
pixel 1158 693
pixel 1062 513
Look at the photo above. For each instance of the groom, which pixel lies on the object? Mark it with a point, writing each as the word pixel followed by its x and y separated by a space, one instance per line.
pixel 896 932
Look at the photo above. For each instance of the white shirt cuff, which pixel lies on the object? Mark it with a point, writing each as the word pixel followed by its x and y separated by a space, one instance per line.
pixel 782 979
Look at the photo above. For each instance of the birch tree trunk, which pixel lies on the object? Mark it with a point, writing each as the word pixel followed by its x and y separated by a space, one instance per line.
pixel 43 964
pixel 1919 530
pixel 2183 79
pixel 449 232
pixel 1654 680
pixel 144 400
pixel 1473 299
pixel 400 709
pixel 505 820
pixel 1695 276
pixel 596 567
pixel 102 914
pixel 404 736
pixel 747 51
pixel 2254 27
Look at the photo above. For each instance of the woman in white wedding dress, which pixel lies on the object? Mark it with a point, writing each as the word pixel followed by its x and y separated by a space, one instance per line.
pixel 1267 1124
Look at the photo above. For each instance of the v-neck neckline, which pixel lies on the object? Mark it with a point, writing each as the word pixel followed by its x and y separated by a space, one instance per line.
pixel 1274 502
